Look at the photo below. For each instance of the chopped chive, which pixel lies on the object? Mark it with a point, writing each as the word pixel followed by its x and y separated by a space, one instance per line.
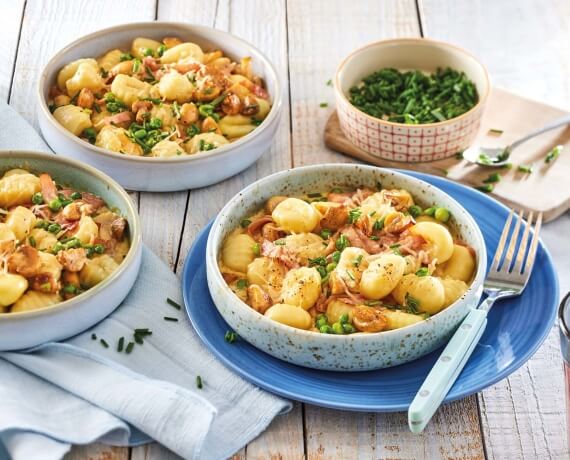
pixel 130 347
pixel 176 305
pixel 139 339
pixel 120 344
pixel 553 154
pixel 487 188
pixel 230 336
pixel 350 275
pixel 325 234
pixel 422 272
pixel 104 343
pixel 495 132
pixel 170 318
pixel 93 336
pixel 358 260
pixel 412 304
pixel 314 195
pixel 374 238
pixel 527 169
pixel 323 104
pixel 492 178
pixel 256 249
pixel 354 215
pixel 199 383
pixel 507 166
pixel 459 156
pixel 245 223
pixel 329 82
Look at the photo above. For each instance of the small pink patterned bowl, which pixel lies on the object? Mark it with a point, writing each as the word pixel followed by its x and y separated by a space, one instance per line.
pixel 402 142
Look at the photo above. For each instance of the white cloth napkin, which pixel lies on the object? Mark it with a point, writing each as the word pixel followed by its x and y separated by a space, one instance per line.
pixel 78 392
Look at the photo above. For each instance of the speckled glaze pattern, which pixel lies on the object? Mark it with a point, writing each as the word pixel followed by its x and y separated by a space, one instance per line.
pixel 65 319
pixel 356 352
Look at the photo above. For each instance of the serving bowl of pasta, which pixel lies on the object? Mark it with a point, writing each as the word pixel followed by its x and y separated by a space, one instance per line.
pixel 71 247
pixel 160 106
pixel 344 267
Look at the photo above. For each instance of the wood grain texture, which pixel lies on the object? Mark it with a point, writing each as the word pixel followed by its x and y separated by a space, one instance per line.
pixel 455 431
pixel 12 14
pixel 97 451
pixel 523 417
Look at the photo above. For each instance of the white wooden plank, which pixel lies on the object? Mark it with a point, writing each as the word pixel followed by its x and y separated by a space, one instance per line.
pixel 321 34
pixel 524 47
pixel 48 25
pixel 12 15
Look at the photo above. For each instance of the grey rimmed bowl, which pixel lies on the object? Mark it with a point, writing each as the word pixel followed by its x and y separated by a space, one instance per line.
pixel 65 319
pixel 355 352
pixel 162 174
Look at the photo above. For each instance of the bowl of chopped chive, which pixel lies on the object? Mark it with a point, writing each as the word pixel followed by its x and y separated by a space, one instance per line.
pixel 411 99
pixel 319 337
pixel 160 106
pixel 75 272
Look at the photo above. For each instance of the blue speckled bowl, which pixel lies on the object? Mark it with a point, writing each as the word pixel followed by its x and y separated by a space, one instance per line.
pixel 354 352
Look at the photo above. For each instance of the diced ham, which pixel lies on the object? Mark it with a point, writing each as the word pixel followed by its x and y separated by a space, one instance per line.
pixel 281 253
pixel 25 261
pixel 357 238
pixel 151 63
pixel 117 119
pixel 49 190
pixel 257 224
pixel 72 260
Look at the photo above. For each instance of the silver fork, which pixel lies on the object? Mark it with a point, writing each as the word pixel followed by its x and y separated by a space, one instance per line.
pixel 507 277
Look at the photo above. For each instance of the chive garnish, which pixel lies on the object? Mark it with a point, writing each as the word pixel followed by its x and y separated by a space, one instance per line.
pixel 323 104
pixel 176 305
pixel 527 169
pixel 412 304
pixel 120 344
pixel 413 97
pixel 422 272
pixel 230 336
pixel 93 336
pixel 130 347
pixel 329 82
pixel 553 154
pixel 354 215
pixel 459 156
pixel 245 223
pixel 104 343
pixel 492 178
pixel 170 318
pixel 199 383
pixel 495 132
pixel 487 188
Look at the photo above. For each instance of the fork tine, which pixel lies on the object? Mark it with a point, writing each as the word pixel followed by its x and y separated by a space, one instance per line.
pixel 501 245
pixel 524 245
pixel 534 246
pixel 505 268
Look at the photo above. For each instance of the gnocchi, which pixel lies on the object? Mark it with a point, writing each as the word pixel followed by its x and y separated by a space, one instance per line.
pixel 130 100
pixel 55 242
pixel 341 262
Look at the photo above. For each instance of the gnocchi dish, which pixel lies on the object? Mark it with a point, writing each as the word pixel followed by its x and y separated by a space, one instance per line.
pixel 342 262
pixel 159 99
pixel 55 242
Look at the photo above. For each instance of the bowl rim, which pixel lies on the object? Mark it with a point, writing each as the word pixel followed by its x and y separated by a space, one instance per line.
pixel 212 260
pixel 274 112
pixel 135 234
pixel 424 42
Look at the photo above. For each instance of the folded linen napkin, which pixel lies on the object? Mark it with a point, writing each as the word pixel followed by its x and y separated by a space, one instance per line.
pixel 78 392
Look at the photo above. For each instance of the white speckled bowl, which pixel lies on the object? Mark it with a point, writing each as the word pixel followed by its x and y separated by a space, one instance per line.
pixel 356 352
pixel 162 174
pixel 65 319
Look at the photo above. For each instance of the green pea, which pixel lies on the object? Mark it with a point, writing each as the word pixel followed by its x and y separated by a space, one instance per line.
pixel 42 224
pixel 330 267
pixel 54 228
pixel 155 123
pixel 325 329
pixel 57 247
pixel 430 211
pixel 37 198
pixel 442 214
pixel 321 322
pixel 72 243
pixel 344 318
pixel 55 204
pixel 337 328
pixel 415 210
pixel 325 234
pixel 76 196
pixel 348 328
pixel 336 257
pixel 99 248
pixel 69 289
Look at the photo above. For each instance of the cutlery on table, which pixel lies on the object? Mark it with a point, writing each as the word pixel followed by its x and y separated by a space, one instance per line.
pixel 507 277
pixel 500 156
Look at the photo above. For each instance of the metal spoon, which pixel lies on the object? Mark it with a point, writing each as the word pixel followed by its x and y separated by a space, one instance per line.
pixel 495 157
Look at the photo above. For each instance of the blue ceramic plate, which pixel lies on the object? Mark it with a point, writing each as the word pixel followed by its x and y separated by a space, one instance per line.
pixel 517 327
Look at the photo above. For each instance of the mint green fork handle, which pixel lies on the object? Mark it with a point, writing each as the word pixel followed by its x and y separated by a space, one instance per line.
pixel 446 370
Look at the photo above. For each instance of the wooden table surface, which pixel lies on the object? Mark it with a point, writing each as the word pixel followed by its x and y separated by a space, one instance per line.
pixel 524 43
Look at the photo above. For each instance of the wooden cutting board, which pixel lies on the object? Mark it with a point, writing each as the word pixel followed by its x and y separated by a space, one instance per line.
pixel 547 189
